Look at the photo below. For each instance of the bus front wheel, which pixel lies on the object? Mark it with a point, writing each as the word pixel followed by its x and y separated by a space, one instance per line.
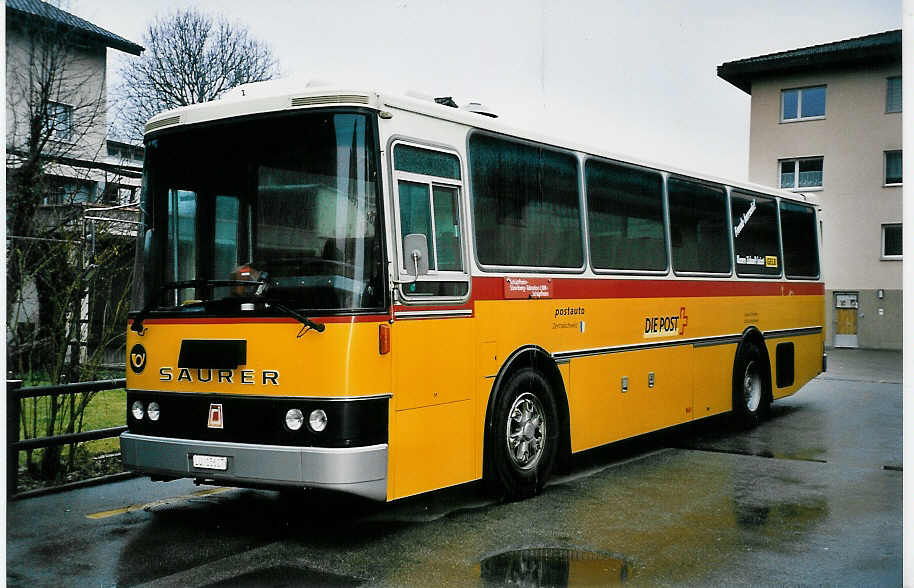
pixel 751 387
pixel 524 436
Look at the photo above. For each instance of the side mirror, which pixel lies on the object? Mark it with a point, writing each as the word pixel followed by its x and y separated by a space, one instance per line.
pixel 415 252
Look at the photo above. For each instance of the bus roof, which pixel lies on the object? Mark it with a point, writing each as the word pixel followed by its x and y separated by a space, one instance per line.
pixel 285 95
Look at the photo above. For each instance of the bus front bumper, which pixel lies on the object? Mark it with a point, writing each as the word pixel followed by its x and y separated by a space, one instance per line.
pixel 356 470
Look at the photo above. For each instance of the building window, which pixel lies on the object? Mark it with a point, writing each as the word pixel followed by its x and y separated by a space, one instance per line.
pixel 61 190
pixel 893 94
pixel 803 103
pixel 59 122
pixel 800 174
pixel 891 241
pixel 892 168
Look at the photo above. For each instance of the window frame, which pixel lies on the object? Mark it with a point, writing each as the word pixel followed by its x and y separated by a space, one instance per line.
pixel 817 220
pixel 54 132
pixel 800 117
pixel 796 174
pixel 728 225
pixel 885 168
pixel 741 193
pixel 882 253
pixel 888 80
pixel 582 208
pixel 664 213
pixel 459 185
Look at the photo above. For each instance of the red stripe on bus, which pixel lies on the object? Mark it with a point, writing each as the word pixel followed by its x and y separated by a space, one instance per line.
pixel 360 318
pixel 492 288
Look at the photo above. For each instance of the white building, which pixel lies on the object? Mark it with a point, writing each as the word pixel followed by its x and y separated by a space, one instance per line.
pixel 55 75
pixel 827 119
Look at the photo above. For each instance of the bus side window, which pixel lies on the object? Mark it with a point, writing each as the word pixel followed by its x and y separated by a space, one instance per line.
pixel 798 232
pixel 428 191
pixel 447 229
pixel 698 222
pixel 415 215
pixel 755 235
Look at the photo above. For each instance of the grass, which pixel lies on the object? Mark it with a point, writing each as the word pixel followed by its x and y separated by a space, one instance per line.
pixel 106 409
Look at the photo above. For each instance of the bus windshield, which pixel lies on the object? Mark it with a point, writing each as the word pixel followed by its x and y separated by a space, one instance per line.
pixel 289 201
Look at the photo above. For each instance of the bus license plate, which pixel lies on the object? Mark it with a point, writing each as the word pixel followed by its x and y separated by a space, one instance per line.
pixel 210 462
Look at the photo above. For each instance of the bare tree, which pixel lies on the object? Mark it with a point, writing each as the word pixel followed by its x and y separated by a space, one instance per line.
pixel 190 58
pixel 56 131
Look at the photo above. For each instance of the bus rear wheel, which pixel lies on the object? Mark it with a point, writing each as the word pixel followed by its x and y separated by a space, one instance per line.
pixel 524 436
pixel 751 386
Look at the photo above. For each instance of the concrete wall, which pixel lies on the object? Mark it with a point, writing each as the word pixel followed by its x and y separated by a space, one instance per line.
pixel 874 331
pixel 852 138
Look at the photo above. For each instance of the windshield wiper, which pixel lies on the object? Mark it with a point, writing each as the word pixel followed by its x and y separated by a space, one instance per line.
pixel 167 286
pixel 264 284
pixel 308 323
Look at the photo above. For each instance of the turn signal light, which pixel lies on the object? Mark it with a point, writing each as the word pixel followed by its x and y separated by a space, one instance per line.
pixel 383 339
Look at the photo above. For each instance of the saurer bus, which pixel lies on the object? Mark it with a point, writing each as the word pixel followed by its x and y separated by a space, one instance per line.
pixel 386 295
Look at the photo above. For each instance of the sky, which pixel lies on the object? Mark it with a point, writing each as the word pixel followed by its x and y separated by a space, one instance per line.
pixel 632 77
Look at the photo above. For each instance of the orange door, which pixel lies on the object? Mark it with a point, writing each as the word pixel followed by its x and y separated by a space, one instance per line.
pixel 847 321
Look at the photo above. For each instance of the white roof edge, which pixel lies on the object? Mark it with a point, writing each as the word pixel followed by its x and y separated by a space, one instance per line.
pixel 263 101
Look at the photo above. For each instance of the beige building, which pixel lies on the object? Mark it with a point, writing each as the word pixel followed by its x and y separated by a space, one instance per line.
pixel 826 120
pixel 57 139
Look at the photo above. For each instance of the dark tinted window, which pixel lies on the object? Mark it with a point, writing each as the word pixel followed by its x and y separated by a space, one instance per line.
pixel 525 204
pixel 698 227
pixel 625 215
pixel 423 161
pixel 798 233
pixel 755 235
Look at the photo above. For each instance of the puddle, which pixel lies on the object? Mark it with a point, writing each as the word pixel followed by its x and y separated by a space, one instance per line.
pixel 553 566
pixel 286 576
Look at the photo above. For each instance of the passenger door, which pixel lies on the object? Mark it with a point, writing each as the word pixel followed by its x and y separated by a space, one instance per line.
pixel 431 337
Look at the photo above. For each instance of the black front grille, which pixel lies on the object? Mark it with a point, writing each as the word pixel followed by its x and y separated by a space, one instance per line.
pixel 261 420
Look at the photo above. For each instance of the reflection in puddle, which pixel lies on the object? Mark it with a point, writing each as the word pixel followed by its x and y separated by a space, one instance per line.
pixel 551 566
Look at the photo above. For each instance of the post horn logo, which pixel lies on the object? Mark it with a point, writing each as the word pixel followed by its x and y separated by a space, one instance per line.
pixel 137 358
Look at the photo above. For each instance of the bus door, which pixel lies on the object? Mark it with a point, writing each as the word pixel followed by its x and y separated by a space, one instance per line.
pixel 432 441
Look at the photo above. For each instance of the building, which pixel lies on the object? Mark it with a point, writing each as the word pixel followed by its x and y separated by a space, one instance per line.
pixel 63 171
pixel 827 119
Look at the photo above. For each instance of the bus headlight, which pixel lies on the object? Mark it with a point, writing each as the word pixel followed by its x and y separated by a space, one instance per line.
pixel 153 411
pixel 137 410
pixel 294 419
pixel 317 420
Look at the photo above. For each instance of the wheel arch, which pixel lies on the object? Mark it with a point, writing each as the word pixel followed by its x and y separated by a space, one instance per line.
pixel 539 359
pixel 752 335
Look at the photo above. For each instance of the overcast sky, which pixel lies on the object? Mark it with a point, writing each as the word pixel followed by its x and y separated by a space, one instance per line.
pixel 635 77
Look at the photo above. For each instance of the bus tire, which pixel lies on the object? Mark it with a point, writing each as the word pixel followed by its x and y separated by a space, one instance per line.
pixel 524 436
pixel 751 385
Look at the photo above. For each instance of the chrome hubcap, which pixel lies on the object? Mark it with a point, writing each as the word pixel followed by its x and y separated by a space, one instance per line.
pixel 752 387
pixel 526 431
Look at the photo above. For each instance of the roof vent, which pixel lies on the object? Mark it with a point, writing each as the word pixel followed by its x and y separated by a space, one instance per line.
pixel 333 99
pixel 478 108
pixel 171 120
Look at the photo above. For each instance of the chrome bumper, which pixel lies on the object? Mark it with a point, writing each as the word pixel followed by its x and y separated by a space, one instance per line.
pixel 355 470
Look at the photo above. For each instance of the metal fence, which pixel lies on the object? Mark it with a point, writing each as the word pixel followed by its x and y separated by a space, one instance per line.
pixel 14 395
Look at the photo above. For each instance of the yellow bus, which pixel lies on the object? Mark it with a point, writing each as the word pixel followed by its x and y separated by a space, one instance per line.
pixel 386 295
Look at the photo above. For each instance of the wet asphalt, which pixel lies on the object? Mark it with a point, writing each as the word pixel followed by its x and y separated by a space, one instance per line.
pixel 811 496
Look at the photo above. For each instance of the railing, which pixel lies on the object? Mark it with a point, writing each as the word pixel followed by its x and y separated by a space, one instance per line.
pixel 15 393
